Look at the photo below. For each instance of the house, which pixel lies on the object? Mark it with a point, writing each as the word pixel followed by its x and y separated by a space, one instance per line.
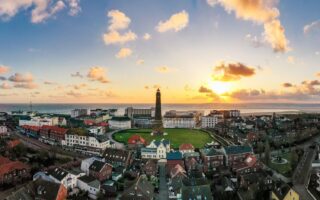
pixel 52 134
pixel 174 158
pixel 97 130
pixel 13 143
pixel 237 153
pixel 252 137
pixel 89 184
pixel 109 188
pixel 212 158
pixel 136 141
pixel 195 155
pixel 283 191
pixel 157 149
pixel 100 170
pixel 195 188
pixel 186 148
pixel 150 168
pixel 181 119
pixel 86 163
pixel 118 157
pixel 140 190
pixel 192 164
pixel 120 122
pixel 3 131
pixel 12 172
pixel 67 178
pixel 41 190
pixel 30 131
pixel 250 164
pixel 177 171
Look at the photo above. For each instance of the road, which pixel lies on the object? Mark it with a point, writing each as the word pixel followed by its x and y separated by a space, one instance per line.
pixel 163 187
pixel 118 145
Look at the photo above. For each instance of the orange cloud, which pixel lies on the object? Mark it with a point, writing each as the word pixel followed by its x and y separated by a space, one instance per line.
pixel 21 78
pixel 98 74
pixel 123 53
pixel 287 85
pixel 232 71
pixel 4 69
pixel 163 69
pixel 175 23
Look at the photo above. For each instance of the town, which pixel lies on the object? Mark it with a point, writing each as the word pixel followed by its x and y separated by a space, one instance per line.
pixel 142 154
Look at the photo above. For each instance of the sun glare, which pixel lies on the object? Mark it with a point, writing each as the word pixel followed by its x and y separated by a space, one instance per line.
pixel 220 87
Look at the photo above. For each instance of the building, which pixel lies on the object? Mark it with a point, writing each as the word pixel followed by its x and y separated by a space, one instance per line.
pixel 87 144
pixel 120 122
pixel 52 134
pixel 3 130
pixel 139 112
pixel 89 184
pixel 100 170
pixel 40 121
pixel 181 119
pixel 41 190
pixel 136 141
pixel 210 120
pixel 157 124
pixel 79 112
pixel 67 178
pixel 150 168
pixel 157 149
pixel 211 158
pixel 97 130
pixel 30 131
pixel 186 148
pixel 237 153
pixel 12 172
pixel 174 158
pixel 283 191
pixel 86 163
pixel 118 157
pixel 141 189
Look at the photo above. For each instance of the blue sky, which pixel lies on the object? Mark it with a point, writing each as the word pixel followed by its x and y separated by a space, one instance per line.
pixel 180 62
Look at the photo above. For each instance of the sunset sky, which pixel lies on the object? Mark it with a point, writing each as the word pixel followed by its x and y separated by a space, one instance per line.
pixel 195 51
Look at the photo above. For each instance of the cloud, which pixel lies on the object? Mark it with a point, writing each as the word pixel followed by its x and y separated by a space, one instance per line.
pixel 5 86
pixel 175 23
pixel 209 93
pixel 41 10
pixel 315 25
pixel 49 83
pixel 255 41
pixel 118 21
pixel 79 86
pixel 77 74
pixel 4 69
pixel 203 89
pixel 21 78
pixel 140 62
pixel 260 11
pixel 74 94
pixel 287 85
pixel 98 74
pixel 146 36
pixel 75 8
pixel 163 69
pixel 291 60
pixel 232 71
pixel 2 78
pixel 123 53
pixel 25 85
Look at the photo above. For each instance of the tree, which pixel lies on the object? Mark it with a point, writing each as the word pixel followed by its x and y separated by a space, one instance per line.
pixel 267 153
pixel 294 160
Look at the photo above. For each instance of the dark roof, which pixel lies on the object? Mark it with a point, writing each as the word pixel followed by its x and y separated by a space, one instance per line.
pixel 91 181
pixel 97 166
pixel 116 155
pixel 176 155
pixel 210 152
pixel 120 118
pixel 197 192
pixel 58 173
pixel 141 189
pixel 238 149
pixel 282 190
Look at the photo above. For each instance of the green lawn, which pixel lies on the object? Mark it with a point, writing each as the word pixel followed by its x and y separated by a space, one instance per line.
pixel 176 136
pixel 285 168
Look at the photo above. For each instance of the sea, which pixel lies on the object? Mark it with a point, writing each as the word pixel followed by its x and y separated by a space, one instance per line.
pixel 245 108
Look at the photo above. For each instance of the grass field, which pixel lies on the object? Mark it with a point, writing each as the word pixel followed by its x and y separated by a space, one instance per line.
pixel 285 168
pixel 176 136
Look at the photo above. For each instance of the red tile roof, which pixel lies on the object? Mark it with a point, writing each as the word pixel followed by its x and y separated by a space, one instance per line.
pixel 13 143
pixel 136 139
pixel 3 160
pixel 11 166
pixel 31 128
pixel 56 129
pixel 186 146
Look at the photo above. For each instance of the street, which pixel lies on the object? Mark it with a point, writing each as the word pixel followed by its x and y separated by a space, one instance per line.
pixel 163 187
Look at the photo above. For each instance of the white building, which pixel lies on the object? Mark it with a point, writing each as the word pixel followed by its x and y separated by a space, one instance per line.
pixel 181 119
pixel 3 130
pixel 97 130
pixel 40 121
pixel 88 144
pixel 90 185
pixel 67 178
pixel 156 149
pixel 79 112
pixel 234 113
pixel 86 163
pixel 120 123
pixel 209 121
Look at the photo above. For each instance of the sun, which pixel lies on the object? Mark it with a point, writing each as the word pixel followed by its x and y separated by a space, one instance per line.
pixel 220 87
